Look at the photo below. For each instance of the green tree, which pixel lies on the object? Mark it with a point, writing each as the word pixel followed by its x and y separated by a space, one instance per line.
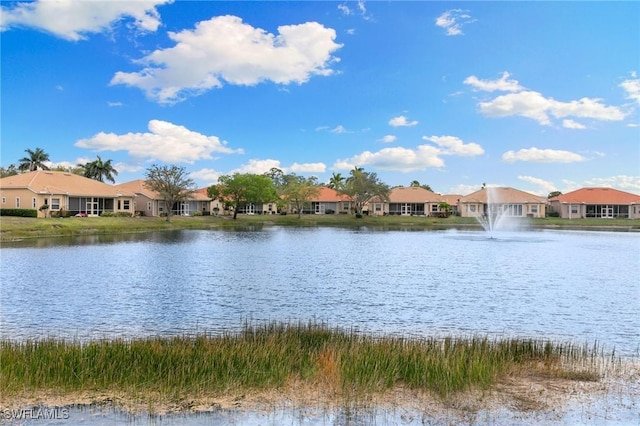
pixel 417 184
pixel 100 170
pixel 361 187
pixel 554 194
pixel 9 171
pixel 34 161
pixel 172 183
pixel 243 188
pixel 336 181
pixel 298 191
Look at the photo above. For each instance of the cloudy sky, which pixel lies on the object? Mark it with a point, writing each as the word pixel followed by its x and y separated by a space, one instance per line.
pixel 540 96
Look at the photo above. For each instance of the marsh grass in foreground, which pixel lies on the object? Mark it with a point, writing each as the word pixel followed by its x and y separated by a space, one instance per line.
pixel 272 356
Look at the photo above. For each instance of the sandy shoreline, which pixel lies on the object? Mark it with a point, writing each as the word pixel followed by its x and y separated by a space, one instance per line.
pixel 521 395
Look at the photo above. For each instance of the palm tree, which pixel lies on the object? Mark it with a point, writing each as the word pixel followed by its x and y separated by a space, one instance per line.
pixel 34 161
pixel 336 181
pixel 100 170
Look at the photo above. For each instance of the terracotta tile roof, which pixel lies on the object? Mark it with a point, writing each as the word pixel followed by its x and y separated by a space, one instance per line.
pixel 139 186
pixel 50 182
pixel 329 195
pixel 502 195
pixel 598 196
pixel 451 199
pixel 413 194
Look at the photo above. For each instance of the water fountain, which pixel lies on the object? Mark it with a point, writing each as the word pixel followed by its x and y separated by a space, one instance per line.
pixel 497 216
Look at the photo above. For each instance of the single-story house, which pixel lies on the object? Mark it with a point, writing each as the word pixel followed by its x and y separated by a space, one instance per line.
pixel 150 203
pixel 508 201
pixel 596 202
pixel 51 191
pixel 412 201
pixel 329 201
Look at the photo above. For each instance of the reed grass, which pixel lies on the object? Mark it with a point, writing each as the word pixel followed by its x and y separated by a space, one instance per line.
pixel 271 356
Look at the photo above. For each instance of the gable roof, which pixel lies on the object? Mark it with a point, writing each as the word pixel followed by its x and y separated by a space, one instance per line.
pixel 412 194
pixel 326 194
pixel 63 183
pixel 598 196
pixel 502 195
pixel 139 186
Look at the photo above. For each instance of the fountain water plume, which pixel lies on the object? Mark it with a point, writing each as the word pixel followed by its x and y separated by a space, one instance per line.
pixel 497 216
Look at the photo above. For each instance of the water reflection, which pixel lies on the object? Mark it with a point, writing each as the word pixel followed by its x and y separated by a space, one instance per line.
pixel 577 286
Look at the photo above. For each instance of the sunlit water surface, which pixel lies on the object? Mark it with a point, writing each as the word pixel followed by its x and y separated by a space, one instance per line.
pixel 581 287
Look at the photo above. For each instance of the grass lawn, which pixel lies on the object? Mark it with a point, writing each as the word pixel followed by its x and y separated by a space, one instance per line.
pixel 15 228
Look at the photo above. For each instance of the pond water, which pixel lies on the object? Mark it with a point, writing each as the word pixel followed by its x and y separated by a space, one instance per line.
pixel 575 286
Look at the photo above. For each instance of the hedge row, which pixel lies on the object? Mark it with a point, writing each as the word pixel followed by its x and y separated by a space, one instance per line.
pixel 19 212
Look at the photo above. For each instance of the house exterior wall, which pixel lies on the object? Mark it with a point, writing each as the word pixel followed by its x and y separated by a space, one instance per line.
pixel 24 198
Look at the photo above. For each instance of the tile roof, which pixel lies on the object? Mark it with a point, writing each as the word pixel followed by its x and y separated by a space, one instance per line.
pixel 52 182
pixel 327 194
pixel 598 196
pixel 412 194
pixel 139 186
pixel 502 195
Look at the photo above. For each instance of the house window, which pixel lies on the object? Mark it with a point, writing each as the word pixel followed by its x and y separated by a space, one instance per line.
pixel 148 205
pixel 4 200
pixel 125 204
pixel 472 208
pixel 33 203
pixel 378 207
pixel 17 202
pixel 345 206
pixel 434 208
pixel 119 207
pixel 533 208
pixel 574 209
pixel 55 204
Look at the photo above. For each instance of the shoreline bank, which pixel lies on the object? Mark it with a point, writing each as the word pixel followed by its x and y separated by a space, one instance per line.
pixel 17 229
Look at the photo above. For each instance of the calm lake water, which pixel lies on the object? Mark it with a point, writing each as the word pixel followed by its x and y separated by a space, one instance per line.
pixel 581 287
pixel 563 285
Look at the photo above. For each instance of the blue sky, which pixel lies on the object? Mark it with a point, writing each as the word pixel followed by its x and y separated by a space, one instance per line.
pixel 540 96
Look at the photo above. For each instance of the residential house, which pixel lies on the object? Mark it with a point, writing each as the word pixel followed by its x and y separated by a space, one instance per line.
pixel 51 192
pixel 508 201
pixel 411 201
pixel 329 201
pixel 596 202
pixel 150 203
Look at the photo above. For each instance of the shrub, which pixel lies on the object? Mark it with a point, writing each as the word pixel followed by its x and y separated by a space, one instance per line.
pixel 551 213
pixel 19 212
pixel 358 215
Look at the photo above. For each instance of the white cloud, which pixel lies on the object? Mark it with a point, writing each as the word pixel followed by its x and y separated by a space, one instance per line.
pixel 257 166
pixel 544 186
pixel 502 84
pixel 388 139
pixel 165 141
pixel 533 105
pixel 570 124
pixel 114 104
pixel 72 20
pixel 451 145
pixel 126 167
pixel 402 121
pixel 464 189
pixel 307 168
pixel 209 176
pixel 339 129
pixel 395 159
pixel 622 182
pixel 224 49
pixel 453 20
pixel 344 9
pixel 536 155
pixel 632 87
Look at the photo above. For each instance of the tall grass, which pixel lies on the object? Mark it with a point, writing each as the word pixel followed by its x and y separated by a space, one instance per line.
pixel 271 356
